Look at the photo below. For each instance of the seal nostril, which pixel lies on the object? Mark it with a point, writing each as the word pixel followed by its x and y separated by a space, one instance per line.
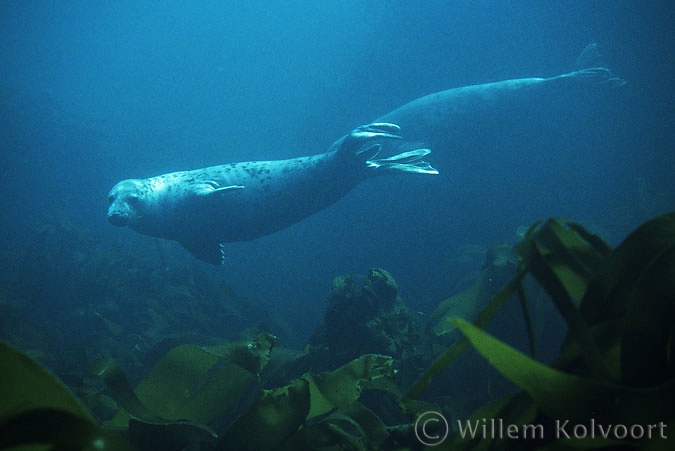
pixel 117 219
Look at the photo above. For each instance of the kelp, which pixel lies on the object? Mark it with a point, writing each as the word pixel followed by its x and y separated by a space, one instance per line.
pixel 499 265
pixel 563 261
pixel 616 366
pixel 573 398
pixel 454 351
pixel 38 412
pixel 191 386
pixel 317 410
pixel 185 391
pixel 312 410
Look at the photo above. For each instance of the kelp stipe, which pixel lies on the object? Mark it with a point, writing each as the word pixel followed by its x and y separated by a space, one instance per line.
pixel 616 366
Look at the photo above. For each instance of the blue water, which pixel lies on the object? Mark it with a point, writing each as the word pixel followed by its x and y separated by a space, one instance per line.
pixel 95 92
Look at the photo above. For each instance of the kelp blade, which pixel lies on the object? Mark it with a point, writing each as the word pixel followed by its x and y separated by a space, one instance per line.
pixel 39 412
pixel 312 409
pixel 483 318
pixel 196 384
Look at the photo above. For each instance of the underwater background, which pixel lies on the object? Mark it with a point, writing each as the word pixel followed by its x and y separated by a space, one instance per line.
pixel 95 92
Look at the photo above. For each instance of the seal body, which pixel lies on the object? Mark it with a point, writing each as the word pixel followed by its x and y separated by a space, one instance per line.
pixel 461 118
pixel 446 118
pixel 205 208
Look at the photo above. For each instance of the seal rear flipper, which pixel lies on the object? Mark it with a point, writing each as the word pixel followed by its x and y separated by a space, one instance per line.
pixel 589 57
pixel 599 76
pixel 410 161
pixel 359 143
pixel 592 69
pixel 206 251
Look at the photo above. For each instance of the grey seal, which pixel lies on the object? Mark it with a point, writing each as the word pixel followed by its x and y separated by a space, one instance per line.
pixel 205 208
pixel 444 119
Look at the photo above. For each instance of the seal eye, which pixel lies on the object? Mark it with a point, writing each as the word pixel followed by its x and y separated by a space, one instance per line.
pixel 111 199
pixel 133 201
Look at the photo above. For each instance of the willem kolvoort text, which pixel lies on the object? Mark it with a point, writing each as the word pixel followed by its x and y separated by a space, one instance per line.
pixel 496 429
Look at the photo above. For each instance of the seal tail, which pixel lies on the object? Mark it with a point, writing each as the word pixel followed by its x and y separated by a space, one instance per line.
pixel 589 57
pixel 591 69
pixel 410 161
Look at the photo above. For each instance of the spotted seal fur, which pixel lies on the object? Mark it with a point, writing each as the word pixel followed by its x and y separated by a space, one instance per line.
pixel 205 208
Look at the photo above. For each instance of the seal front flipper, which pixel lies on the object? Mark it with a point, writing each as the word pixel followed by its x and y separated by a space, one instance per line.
pixel 212 187
pixel 205 250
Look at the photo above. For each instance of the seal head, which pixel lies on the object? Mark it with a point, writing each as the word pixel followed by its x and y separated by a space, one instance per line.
pixel 127 202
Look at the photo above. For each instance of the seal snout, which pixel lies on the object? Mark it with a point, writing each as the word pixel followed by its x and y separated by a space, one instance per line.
pixel 123 201
pixel 117 218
